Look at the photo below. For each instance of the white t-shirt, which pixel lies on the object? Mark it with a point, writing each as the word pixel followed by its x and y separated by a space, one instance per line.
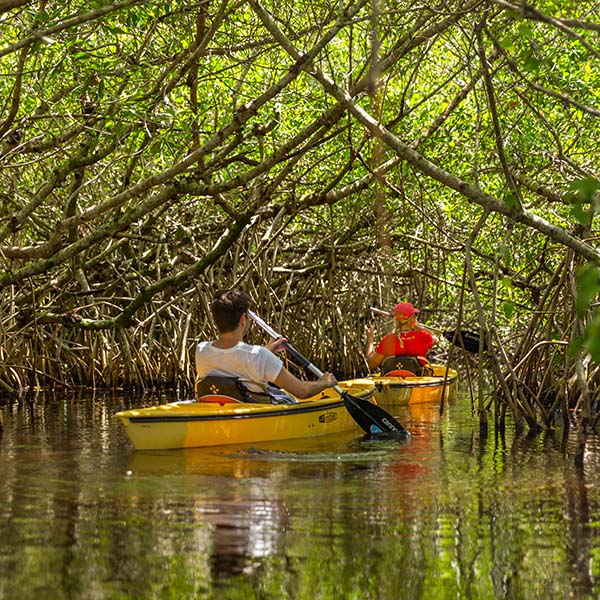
pixel 254 365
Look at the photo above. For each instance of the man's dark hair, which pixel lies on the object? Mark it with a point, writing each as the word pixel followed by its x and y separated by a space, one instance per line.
pixel 227 308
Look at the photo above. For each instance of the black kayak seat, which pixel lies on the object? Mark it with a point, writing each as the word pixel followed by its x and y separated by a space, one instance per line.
pixel 416 365
pixel 226 389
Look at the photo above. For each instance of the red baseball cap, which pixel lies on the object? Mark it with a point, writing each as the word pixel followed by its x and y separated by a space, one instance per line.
pixel 405 309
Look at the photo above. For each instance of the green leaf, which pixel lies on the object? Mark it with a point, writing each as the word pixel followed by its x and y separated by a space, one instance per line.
pixel 585 188
pixel 576 346
pixel 508 43
pixel 506 254
pixel 510 199
pixel 580 213
pixel 588 285
pixel 525 30
pixel 508 308
pixel 117 30
pixel 41 16
pixel 592 338
pixel 532 64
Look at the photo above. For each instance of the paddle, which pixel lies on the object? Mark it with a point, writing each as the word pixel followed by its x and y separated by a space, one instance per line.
pixel 372 418
pixel 468 340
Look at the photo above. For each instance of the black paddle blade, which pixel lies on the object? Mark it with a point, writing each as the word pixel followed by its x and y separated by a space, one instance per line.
pixel 469 339
pixel 372 418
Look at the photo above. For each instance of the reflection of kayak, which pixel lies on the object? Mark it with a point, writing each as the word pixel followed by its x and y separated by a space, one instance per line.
pixel 415 390
pixel 194 424
pixel 257 459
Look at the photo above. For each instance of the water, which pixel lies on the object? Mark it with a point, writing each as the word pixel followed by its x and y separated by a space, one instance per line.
pixel 446 515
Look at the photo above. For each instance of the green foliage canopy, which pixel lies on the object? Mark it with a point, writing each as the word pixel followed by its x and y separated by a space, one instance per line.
pixel 149 145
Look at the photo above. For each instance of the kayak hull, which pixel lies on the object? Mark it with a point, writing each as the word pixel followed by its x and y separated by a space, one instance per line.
pixel 416 390
pixel 198 424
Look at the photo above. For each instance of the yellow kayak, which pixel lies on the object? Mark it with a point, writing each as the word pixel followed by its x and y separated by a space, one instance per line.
pixel 196 424
pixel 415 390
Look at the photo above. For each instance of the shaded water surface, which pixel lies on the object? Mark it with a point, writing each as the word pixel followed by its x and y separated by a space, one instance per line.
pixel 447 514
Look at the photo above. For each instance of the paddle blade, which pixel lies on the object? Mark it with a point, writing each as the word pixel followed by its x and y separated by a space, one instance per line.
pixel 372 418
pixel 470 340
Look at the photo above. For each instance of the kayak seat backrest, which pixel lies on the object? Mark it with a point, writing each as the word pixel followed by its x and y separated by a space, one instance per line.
pixel 221 389
pixel 416 365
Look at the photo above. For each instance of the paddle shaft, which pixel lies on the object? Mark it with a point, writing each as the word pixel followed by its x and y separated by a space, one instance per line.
pixel 299 357
pixel 372 418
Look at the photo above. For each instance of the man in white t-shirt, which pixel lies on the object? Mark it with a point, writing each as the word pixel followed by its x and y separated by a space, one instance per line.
pixel 255 366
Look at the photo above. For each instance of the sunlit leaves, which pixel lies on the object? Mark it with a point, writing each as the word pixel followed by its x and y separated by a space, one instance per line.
pixel 130 76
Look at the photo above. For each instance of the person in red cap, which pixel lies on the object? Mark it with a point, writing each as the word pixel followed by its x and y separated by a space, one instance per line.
pixel 409 339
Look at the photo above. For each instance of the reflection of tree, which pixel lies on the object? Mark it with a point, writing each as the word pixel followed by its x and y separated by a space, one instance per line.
pixel 448 514
pixel 578 524
pixel 243 530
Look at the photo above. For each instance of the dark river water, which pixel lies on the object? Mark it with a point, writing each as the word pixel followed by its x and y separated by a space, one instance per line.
pixel 448 514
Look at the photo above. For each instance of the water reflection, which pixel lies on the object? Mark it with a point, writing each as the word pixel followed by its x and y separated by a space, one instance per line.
pixel 448 513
